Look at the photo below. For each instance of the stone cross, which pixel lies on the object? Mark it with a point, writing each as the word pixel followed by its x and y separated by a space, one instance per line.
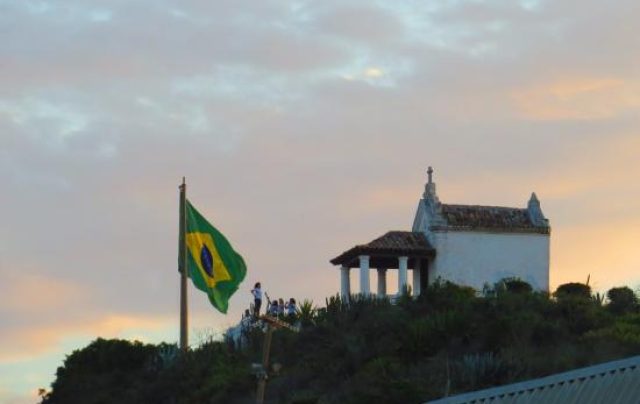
pixel 430 173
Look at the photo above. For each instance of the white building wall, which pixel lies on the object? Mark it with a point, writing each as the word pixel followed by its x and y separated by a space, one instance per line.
pixel 476 258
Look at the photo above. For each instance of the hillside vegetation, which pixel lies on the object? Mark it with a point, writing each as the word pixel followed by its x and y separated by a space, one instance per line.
pixel 446 342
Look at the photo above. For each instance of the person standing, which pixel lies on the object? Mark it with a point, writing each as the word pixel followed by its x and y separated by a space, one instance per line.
pixel 257 298
pixel 280 307
pixel 291 307
pixel 273 308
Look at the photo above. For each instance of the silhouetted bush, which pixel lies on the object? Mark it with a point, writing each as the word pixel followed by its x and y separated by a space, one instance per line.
pixel 573 291
pixel 622 300
pixel 515 285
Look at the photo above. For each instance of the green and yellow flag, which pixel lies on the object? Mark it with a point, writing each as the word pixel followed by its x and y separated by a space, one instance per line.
pixel 212 264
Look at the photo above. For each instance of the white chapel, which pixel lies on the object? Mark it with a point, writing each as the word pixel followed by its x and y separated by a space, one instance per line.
pixel 469 245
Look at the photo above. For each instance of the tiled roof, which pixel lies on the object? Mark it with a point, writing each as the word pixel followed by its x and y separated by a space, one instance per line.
pixel 392 243
pixel 402 241
pixel 474 217
pixel 611 382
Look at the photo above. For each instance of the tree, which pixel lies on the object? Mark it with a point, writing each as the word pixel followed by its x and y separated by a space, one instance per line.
pixel 104 371
pixel 622 300
pixel 516 285
pixel 573 290
pixel 579 310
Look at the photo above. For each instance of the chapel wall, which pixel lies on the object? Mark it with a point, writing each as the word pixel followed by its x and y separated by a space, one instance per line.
pixel 476 258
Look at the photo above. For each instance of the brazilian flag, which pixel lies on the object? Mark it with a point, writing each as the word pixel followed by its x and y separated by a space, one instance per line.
pixel 212 264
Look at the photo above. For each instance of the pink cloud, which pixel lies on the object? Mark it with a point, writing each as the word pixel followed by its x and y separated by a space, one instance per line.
pixel 579 98
pixel 27 292
pixel 34 339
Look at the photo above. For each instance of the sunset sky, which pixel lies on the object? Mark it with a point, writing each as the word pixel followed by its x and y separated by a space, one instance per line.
pixel 303 128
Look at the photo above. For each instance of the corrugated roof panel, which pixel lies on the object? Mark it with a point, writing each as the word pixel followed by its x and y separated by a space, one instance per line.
pixel 601 385
pixel 611 383
pixel 627 395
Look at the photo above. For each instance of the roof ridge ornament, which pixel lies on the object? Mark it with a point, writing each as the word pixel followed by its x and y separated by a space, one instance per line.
pixel 430 187
pixel 535 212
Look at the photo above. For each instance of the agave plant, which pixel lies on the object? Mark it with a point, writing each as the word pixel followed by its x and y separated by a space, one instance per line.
pixel 479 368
pixel 166 355
pixel 307 312
pixel 598 299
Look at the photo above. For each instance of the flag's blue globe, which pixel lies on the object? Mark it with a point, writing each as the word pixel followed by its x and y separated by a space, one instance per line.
pixel 206 260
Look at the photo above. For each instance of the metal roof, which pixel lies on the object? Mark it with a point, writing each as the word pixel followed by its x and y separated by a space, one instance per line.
pixel 616 382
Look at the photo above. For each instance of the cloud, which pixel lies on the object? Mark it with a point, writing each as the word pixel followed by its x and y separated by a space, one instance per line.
pixel 580 99
pixel 25 292
pixel 8 397
pixel 63 121
pixel 40 337
pixel 366 24
pixel 303 128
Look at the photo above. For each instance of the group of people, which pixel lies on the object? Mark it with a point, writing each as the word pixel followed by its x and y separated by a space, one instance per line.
pixel 276 307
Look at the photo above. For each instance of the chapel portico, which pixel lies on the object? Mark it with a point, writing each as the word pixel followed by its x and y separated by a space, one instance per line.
pixel 401 250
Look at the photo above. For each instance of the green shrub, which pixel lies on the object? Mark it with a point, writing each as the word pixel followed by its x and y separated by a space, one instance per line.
pixel 622 300
pixel 516 285
pixel 573 290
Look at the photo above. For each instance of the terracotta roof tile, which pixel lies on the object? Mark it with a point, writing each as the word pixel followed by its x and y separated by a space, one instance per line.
pixel 400 240
pixel 474 217
pixel 395 243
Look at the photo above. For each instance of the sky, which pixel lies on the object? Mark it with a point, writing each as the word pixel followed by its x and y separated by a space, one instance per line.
pixel 303 128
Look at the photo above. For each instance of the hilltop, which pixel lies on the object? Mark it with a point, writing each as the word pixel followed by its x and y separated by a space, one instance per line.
pixel 448 341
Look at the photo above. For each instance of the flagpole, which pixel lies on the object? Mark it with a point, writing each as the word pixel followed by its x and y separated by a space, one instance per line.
pixel 182 268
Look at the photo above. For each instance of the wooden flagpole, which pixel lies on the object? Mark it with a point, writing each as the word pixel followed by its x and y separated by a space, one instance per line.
pixel 182 268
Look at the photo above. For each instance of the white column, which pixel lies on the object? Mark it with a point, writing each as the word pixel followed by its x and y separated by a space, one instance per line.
pixel 345 282
pixel 382 282
pixel 364 275
pixel 402 274
pixel 416 278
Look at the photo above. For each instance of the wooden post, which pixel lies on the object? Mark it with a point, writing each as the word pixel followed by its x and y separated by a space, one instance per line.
pixel 266 350
pixel 273 323
pixel 182 268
